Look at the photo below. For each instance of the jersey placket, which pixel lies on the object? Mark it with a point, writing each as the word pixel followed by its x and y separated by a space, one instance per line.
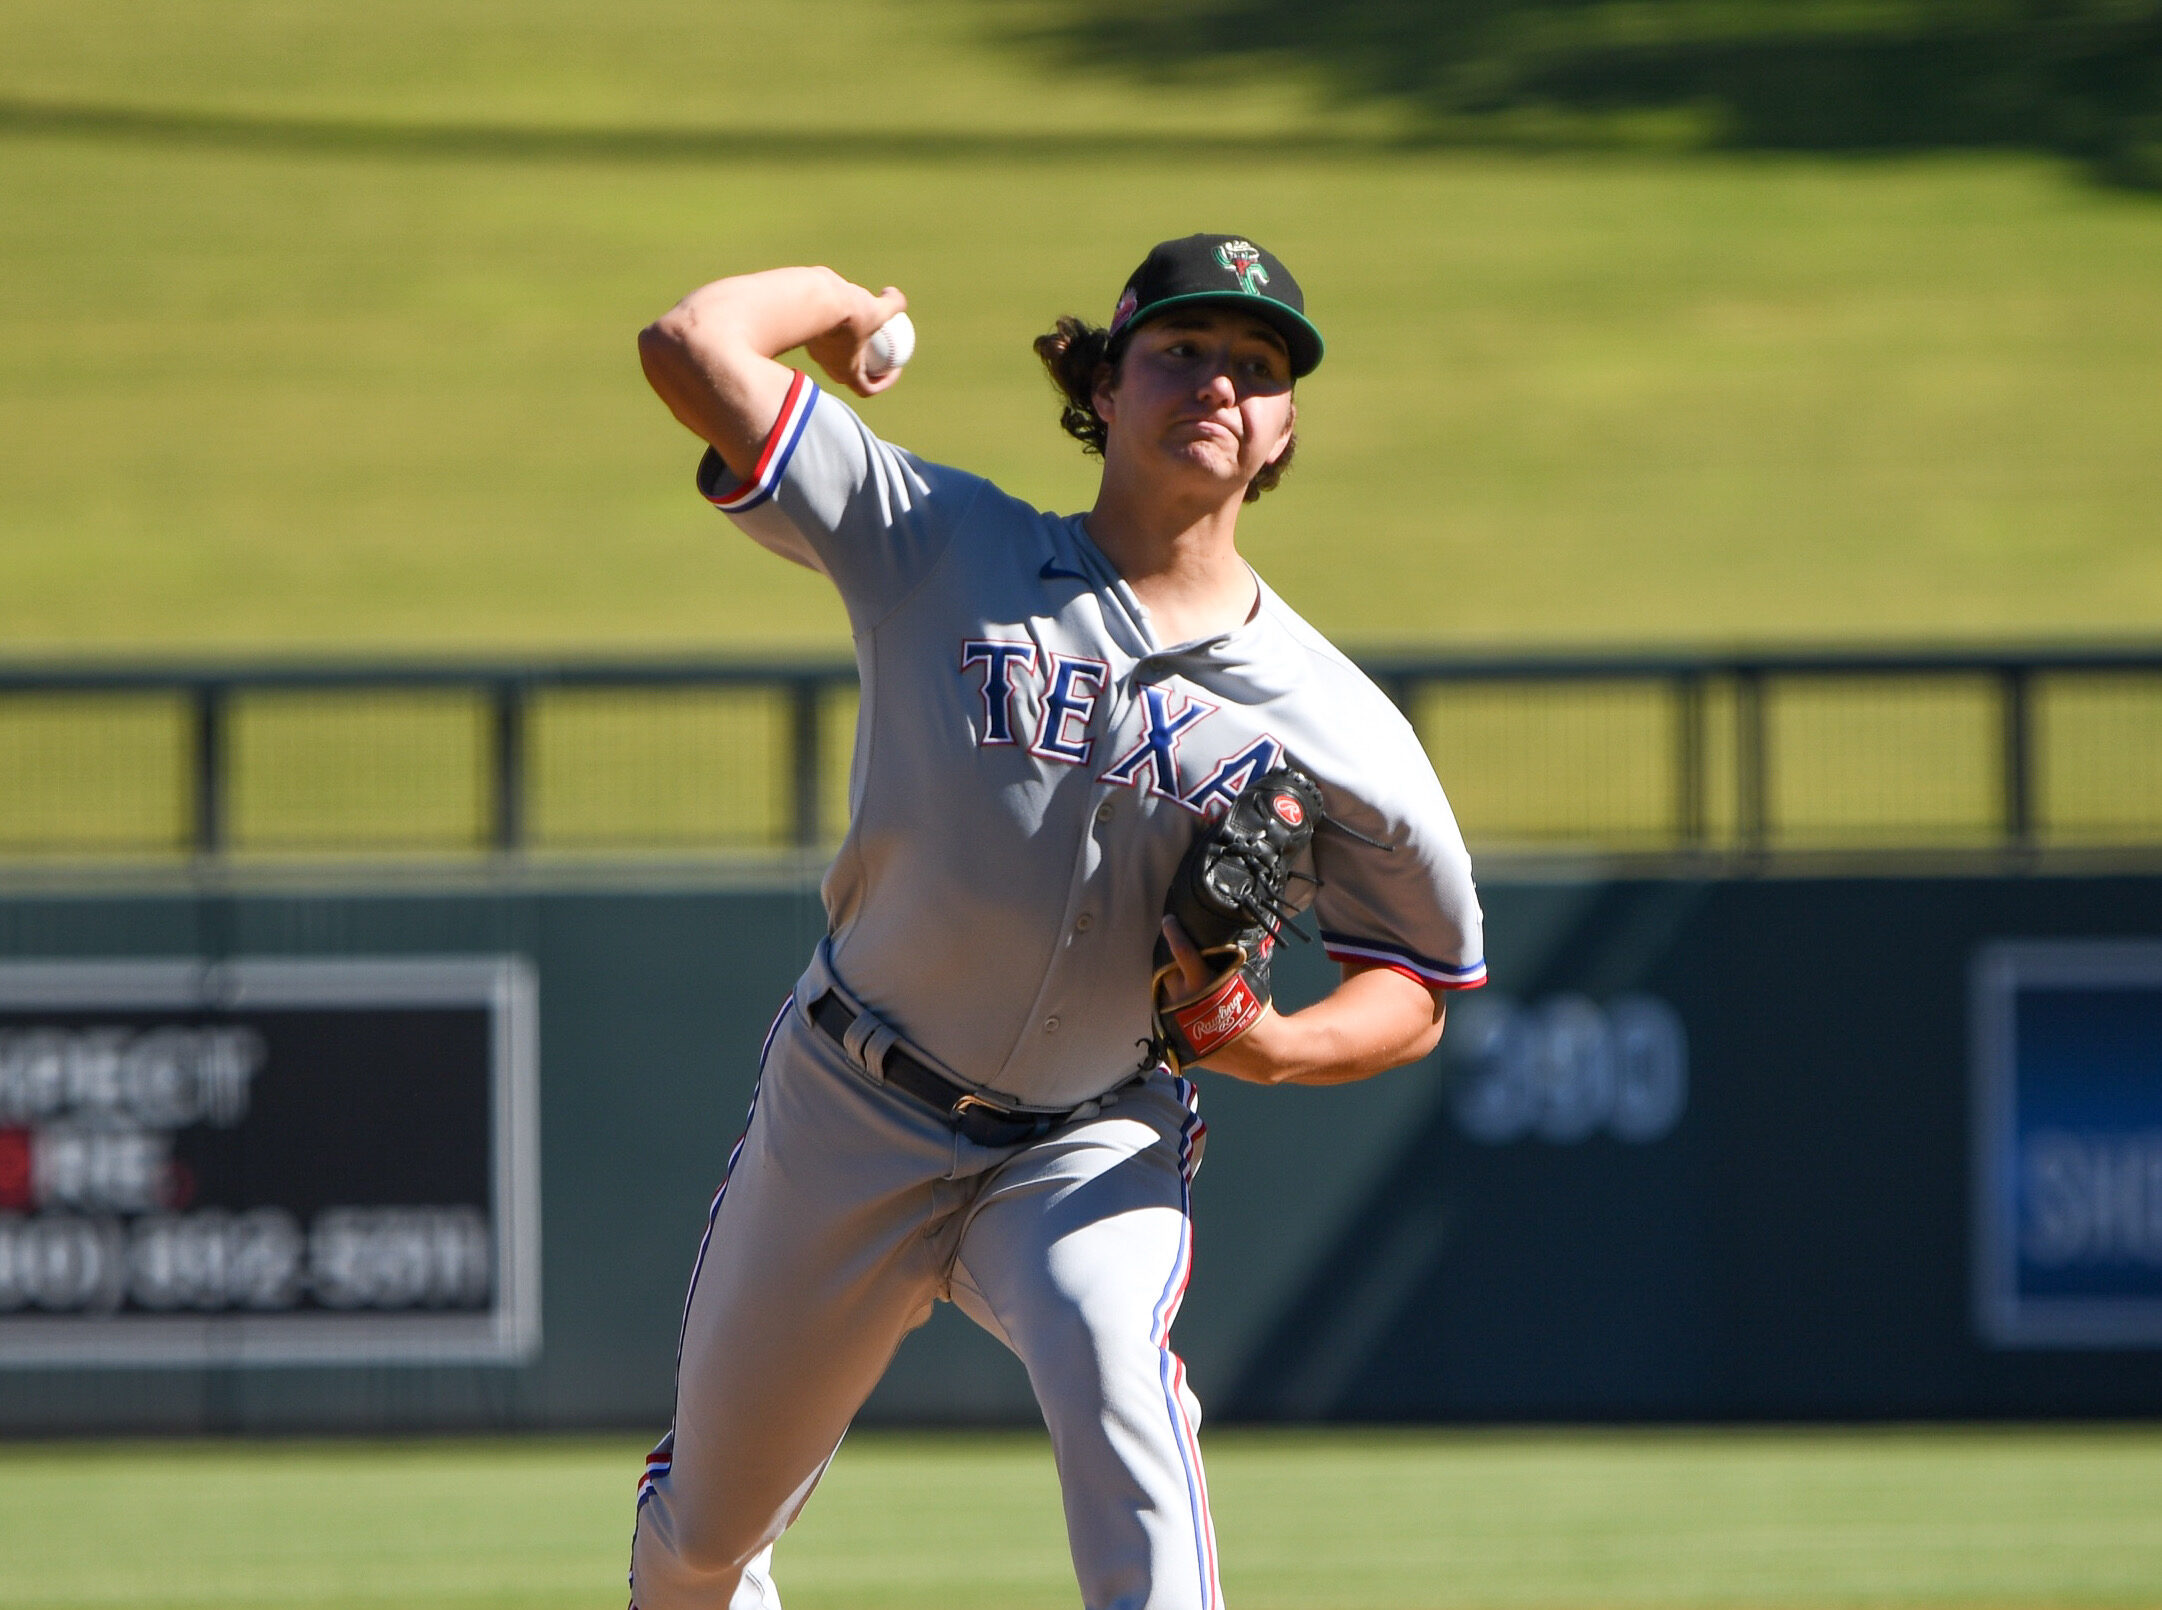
pixel 1088 897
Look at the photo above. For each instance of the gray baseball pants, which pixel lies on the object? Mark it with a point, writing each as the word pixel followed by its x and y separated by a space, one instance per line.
pixel 848 1209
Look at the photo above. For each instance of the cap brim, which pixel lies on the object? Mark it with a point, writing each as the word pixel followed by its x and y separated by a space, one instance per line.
pixel 1301 339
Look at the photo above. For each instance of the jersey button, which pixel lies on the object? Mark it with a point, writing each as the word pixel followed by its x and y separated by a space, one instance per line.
pixel 1050 1025
pixel 1103 811
pixel 1083 923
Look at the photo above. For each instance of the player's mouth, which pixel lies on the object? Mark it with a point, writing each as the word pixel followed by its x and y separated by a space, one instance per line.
pixel 1208 426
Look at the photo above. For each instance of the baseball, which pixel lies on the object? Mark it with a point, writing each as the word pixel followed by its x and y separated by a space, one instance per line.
pixel 892 344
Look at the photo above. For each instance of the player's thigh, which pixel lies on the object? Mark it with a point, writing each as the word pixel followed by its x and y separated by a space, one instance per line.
pixel 1077 1249
pixel 814 1267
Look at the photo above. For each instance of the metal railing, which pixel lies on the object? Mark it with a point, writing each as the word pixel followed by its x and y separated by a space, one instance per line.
pixel 1740 756
pixel 1865 749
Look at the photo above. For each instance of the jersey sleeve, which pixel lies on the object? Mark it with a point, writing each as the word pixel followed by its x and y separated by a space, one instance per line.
pixel 1410 906
pixel 829 495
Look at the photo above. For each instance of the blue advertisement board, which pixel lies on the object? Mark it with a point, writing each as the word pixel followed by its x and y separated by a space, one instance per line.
pixel 2068 1143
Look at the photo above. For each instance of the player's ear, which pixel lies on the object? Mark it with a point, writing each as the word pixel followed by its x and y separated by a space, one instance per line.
pixel 1102 390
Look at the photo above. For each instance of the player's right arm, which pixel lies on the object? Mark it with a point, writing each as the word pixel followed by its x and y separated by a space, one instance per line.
pixel 711 357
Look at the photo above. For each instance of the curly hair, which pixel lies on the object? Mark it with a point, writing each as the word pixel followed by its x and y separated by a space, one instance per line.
pixel 1077 355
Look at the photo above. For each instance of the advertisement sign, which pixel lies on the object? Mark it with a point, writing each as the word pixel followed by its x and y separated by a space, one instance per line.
pixel 1567 1068
pixel 269 1161
pixel 2068 1143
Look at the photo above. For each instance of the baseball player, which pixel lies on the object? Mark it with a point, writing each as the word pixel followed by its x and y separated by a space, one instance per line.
pixel 975 1093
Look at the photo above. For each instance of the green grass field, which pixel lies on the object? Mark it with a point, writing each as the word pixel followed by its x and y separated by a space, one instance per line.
pixel 315 335
pixel 1308 1521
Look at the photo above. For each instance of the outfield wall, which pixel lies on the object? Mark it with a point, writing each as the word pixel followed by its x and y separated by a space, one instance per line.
pixel 1777 1148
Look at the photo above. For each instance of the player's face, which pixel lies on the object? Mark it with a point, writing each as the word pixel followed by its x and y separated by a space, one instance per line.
pixel 1204 392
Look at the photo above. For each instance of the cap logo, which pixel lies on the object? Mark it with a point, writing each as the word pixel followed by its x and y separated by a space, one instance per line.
pixel 1128 302
pixel 1243 258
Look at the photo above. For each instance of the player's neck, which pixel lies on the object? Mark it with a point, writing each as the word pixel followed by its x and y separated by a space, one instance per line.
pixel 1182 562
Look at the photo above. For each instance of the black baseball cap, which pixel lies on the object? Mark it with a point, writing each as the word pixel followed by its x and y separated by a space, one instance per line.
pixel 1225 270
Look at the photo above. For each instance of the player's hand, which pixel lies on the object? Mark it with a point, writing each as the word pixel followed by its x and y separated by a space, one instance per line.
pixel 844 350
pixel 1376 1019
pixel 1194 974
pixel 1252 1056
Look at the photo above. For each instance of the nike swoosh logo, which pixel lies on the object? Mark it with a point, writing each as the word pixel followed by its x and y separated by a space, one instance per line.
pixel 1054 571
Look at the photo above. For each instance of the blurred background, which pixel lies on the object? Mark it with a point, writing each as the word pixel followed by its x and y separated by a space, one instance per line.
pixel 1739 452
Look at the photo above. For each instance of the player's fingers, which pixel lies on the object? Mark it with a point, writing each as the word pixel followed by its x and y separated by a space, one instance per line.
pixel 860 378
pixel 1193 971
pixel 843 355
pixel 873 309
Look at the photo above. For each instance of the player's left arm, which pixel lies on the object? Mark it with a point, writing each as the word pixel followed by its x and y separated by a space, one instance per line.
pixel 1378 1018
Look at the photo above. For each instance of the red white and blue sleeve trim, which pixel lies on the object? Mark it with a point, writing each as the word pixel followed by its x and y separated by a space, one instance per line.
pixel 1403 959
pixel 774 456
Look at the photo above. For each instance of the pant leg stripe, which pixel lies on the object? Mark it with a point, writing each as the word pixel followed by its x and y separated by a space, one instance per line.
pixel 657 1465
pixel 659 1462
pixel 1205 1524
pixel 734 1152
pixel 1173 1370
pixel 1191 1130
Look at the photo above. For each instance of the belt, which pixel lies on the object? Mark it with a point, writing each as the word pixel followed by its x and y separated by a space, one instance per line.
pixel 984 1122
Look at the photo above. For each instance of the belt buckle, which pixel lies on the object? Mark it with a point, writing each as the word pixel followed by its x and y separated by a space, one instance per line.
pixel 1013 1127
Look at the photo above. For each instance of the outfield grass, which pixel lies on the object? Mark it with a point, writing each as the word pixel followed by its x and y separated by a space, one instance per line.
pixel 683 66
pixel 321 372
pixel 1308 1521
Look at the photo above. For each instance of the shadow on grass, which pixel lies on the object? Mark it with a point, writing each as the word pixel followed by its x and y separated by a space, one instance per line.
pixel 533 142
pixel 2081 78
pixel 2075 78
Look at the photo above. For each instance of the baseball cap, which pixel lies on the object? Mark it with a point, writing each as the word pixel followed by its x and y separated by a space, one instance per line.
pixel 1225 270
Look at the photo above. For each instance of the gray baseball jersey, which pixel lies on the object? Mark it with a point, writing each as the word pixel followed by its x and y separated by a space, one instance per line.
pixel 1031 763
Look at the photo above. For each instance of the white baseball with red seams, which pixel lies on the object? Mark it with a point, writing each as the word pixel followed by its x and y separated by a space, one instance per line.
pixel 891 345
pixel 1031 762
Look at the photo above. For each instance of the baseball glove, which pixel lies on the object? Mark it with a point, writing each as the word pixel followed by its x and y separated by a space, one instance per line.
pixel 1228 894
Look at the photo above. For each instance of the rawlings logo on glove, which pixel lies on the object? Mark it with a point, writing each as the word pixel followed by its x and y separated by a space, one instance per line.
pixel 1218 1017
pixel 1229 896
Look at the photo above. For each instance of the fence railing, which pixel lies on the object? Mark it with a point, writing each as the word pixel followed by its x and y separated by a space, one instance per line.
pixel 1746 756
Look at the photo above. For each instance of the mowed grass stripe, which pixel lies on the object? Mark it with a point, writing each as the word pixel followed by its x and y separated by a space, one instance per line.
pixel 820 67
pixel 1308 1521
pixel 307 402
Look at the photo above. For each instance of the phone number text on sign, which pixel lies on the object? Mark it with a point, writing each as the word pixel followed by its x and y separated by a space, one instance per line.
pixel 259 1260
pixel 268 1161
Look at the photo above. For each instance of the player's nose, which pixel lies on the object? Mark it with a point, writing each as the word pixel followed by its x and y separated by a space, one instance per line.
pixel 1218 387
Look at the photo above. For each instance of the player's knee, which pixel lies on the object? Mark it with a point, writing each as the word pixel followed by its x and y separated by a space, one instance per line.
pixel 714 1552
pixel 687 1558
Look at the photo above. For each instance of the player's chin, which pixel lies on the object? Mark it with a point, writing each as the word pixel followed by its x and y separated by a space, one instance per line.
pixel 1212 459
